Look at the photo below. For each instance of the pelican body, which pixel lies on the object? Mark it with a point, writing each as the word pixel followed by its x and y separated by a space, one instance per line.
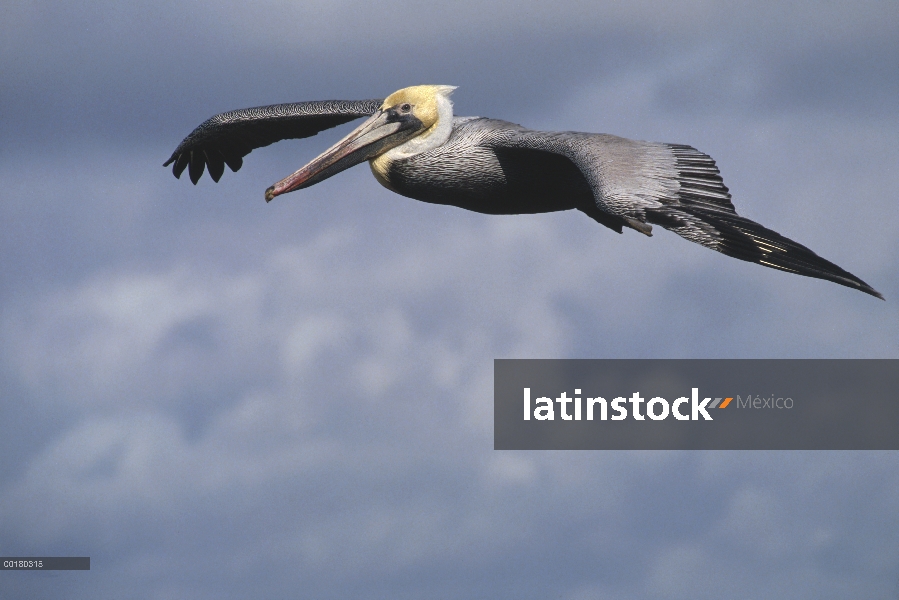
pixel 417 147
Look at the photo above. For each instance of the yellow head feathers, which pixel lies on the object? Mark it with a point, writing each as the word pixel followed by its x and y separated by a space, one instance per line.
pixel 424 100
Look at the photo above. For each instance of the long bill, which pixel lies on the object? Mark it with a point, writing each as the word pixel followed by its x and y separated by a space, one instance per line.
pixel 381 132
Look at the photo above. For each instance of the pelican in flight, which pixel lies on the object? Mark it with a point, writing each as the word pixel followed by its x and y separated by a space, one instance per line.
pixel 417 148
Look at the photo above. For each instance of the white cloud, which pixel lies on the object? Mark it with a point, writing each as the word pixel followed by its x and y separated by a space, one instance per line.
pixel 114 336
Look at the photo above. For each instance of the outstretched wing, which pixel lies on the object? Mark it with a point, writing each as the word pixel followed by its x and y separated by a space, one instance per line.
pixel 680 189
pixel 227 137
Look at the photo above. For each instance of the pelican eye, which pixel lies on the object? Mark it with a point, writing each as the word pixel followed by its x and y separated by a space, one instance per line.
pixel 405 107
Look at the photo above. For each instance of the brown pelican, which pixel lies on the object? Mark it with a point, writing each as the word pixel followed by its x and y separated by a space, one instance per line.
pixel 417 148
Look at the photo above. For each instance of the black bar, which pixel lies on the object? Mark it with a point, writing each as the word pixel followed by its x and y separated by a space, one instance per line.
pixel 45 563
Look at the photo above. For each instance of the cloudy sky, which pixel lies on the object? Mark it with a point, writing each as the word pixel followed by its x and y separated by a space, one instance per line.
pixel 217 398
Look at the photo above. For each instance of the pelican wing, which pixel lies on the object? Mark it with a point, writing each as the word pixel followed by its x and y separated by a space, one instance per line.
pixel 677 187
pixel 227 137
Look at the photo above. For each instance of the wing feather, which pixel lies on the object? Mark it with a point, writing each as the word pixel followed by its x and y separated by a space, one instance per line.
pixel 227 137
pixel 679 188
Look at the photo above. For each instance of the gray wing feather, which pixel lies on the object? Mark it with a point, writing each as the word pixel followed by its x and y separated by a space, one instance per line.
pixel 679 188
pixel 628 176
pixel 227 137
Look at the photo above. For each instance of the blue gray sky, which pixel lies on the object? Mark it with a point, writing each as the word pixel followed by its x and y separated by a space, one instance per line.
pixel 217 398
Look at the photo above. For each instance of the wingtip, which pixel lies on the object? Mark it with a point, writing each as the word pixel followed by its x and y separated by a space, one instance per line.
pixel 856 283
pixel 864 287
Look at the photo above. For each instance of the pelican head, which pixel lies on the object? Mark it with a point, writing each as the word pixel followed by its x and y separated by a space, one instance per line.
pixel 411 120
